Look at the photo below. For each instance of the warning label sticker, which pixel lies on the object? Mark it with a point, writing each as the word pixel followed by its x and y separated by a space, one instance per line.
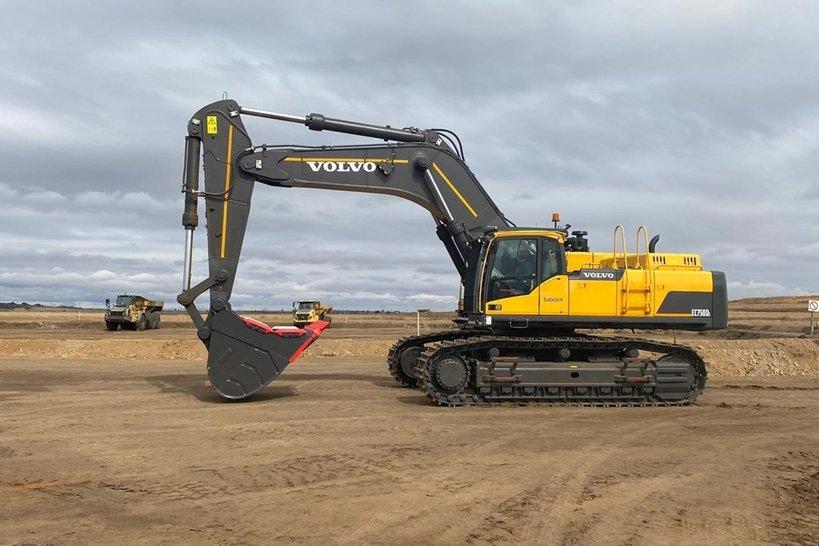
pixel 212 127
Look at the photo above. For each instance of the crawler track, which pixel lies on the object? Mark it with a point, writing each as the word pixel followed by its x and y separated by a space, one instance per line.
pixel 659 382
pixel 398 369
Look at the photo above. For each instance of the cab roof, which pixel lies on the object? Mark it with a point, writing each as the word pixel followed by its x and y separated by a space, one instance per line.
pixel 558 234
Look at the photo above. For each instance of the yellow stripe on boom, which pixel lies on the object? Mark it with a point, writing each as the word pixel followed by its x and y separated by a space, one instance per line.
pixel 455 190
pixel 228 165
pixel 346 160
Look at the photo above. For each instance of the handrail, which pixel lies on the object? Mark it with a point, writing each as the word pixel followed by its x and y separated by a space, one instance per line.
pixel 622 232
pixel 644 230
pixel 646 268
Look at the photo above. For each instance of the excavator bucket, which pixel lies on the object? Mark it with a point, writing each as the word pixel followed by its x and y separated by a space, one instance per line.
pixel 244 354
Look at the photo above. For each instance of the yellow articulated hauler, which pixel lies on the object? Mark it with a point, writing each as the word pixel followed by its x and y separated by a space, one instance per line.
pixel 309 312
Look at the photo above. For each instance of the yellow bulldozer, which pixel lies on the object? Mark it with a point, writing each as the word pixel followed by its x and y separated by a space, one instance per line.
pixel 309 312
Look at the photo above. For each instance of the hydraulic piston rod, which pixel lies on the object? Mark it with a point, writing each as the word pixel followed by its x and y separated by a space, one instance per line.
pixel 318 122
pixel 273 115
pixel 190 216
pixel 186 269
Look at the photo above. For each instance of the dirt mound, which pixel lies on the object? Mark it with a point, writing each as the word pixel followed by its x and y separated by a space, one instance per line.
pixel 759 342
pixel 112 350
pixel 784 356
pixel 745 357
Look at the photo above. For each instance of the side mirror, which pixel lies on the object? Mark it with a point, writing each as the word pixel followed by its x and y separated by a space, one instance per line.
pixel 107 303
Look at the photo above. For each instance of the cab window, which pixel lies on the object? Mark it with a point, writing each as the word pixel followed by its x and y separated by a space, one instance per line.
pixel 551 259
pixel 514 268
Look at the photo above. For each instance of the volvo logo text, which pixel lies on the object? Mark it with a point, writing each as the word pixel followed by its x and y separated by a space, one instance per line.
pixel 597 275
pixel 342 166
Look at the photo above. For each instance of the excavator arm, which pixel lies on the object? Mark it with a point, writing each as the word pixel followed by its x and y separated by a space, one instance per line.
pixel 424 167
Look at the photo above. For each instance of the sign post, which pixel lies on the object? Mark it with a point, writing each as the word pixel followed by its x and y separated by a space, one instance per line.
pixel 418 320
pixel 813 307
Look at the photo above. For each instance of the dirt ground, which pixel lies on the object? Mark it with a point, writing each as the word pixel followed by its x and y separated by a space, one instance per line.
pixel 116 436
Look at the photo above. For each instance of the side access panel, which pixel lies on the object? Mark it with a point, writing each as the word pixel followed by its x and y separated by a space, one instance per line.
pixel 683 294
pixel 594 292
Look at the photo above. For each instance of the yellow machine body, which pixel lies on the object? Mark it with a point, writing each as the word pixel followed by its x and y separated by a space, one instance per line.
pixel 616 288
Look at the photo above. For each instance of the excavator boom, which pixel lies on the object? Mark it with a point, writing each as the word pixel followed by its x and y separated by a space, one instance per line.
pixel 420 166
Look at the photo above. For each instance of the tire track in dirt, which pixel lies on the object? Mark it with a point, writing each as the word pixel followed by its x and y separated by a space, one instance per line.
pixel 448 494
pixel 794 511
pixel 286 476
pixel 534 515
pixel 648 499
pixel 145 465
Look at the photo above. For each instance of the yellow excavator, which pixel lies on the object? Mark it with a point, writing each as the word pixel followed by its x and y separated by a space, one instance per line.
pixel 529 295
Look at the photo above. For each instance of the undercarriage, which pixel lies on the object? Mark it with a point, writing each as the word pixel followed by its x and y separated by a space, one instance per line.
pixel 463 368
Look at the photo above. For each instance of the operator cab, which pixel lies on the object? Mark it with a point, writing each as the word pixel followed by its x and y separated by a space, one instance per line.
pixel 512 267
pixel 509 270
pixel 123 301
pixel 521 262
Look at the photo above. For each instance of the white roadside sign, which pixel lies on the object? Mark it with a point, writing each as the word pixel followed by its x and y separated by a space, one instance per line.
pixel 813 306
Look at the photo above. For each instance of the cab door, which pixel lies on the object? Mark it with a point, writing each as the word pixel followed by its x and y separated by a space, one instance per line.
pixel 512 286
pixel 554 285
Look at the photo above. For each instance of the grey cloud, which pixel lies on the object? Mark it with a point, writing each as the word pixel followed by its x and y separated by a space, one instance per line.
pixel 697 119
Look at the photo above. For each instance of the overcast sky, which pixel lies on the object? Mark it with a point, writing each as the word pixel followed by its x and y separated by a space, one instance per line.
pixel 698 119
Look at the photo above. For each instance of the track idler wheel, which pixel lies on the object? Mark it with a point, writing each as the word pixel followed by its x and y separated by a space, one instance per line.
pixel 406 364
pixel 402 366
pixel 449 374
pixel 676 380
